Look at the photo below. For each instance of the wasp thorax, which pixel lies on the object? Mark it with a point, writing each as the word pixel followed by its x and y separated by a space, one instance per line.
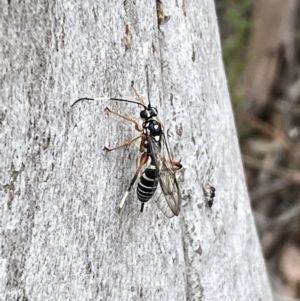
pixel 154 128
pixel 148 113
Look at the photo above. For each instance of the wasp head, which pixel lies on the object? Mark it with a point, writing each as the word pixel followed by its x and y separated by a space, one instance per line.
pixel 148 113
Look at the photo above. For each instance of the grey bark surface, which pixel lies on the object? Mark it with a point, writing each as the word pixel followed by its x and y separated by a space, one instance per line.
pixel 61 235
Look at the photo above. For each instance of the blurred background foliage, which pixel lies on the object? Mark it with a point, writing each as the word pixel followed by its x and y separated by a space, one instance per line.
pixel 260 42
pixel 235 25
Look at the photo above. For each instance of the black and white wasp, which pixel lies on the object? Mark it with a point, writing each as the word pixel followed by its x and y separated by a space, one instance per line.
pixel 210 193
pixel 156 161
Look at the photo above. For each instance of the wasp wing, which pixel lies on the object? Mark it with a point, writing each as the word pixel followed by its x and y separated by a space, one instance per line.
pixel 169 202
pixel 161 203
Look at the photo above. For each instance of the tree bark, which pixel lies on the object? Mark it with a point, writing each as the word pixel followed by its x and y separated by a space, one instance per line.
pixel 62 237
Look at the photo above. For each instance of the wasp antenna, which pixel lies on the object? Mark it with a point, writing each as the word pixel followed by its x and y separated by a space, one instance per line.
pixel 103 98
pixel 81 99
pixel 130 101
pixel 147 79
pixel 108 98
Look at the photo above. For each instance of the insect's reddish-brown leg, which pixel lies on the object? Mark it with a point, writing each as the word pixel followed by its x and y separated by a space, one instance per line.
pixel 140 99
pixel 176 165
pixel 143 161
pixel 142 144
pixel 162 125
pixel 123 145
pixel 136 125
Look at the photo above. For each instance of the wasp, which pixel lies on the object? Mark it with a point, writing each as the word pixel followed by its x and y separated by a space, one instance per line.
pixel 156 164
pixel 210 193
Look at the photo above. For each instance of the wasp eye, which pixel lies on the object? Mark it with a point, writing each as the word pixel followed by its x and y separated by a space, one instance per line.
pixel 143 114
pixel 154 112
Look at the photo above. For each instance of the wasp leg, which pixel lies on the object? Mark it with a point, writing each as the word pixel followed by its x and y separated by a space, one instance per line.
pixel 143 160
pixel 140 99
pixel 162 125
pixel 176 165
pixel 136 125
pixel 123 145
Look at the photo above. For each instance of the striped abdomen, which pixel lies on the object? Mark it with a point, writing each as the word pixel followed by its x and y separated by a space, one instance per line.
pixel 147 184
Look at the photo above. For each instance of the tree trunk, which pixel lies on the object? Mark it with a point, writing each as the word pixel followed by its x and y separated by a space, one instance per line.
pixel 62 237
